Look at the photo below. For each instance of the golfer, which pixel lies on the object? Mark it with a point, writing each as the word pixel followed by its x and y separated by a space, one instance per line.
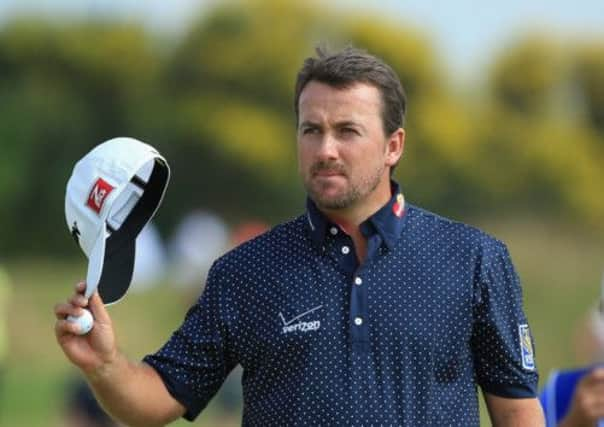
pixel 364 310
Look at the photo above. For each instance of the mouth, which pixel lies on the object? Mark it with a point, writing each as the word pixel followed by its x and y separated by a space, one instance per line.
pixel 321 170
pixel 327 173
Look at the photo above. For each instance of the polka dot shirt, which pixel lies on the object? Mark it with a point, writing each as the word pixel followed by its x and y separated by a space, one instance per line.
pixel 402 339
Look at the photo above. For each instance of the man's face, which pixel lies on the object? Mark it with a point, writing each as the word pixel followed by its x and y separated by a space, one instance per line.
pixel 343 153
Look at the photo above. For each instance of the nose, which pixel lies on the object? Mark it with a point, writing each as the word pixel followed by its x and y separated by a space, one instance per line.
pixel 327 148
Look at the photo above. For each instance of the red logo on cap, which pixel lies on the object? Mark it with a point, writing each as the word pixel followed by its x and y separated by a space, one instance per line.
pixel 98 194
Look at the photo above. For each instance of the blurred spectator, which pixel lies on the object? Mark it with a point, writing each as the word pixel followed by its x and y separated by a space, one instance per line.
pixel 198 240
pixel 5 291
pixel 575 397
pixel 247 230
pixel 150 259
pixel 589 335
pixel 82 409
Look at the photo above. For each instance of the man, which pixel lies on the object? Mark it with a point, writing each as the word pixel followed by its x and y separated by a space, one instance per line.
pixel 575 397
pixel 363 311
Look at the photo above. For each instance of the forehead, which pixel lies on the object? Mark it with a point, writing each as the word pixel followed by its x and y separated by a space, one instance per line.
pixel 320 99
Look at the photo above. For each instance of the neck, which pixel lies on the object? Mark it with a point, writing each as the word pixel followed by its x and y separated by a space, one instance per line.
pixel 350 218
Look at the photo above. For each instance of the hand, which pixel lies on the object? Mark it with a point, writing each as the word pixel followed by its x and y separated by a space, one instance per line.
pixel 93 351
pixel 587 405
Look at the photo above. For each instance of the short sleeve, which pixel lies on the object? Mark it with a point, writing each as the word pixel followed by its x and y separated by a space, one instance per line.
pixel 197 358
pixel 502 344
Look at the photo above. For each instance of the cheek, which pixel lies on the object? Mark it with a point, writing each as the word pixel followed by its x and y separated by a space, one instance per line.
pixel 303 156
pixel 305 151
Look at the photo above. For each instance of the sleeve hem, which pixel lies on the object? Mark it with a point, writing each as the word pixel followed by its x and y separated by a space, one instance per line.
pixel 511 391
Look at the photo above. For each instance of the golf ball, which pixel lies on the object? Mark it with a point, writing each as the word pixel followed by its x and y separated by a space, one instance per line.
pixel 84 322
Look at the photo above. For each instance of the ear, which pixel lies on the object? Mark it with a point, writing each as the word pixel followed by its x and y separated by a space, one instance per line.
pixel 395 147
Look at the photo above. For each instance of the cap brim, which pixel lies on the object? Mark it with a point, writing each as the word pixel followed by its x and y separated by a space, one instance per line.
pixel 111 262
pixel 118 268
pixel 110 268
pixel 95 264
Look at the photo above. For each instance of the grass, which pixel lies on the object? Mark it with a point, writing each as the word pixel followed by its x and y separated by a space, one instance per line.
pixel 33 391
pixel 560 269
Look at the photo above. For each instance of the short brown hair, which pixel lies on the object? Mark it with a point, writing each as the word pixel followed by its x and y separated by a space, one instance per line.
pixel 349 66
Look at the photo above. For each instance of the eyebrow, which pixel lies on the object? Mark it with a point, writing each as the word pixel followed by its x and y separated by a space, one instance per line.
pixel 348 123
pixel 307 123
pixel 340 124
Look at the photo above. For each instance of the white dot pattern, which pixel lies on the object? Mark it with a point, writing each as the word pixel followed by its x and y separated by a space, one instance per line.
pixel 437 314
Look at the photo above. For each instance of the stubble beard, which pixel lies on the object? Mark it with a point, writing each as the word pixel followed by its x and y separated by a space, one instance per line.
pixel 356 191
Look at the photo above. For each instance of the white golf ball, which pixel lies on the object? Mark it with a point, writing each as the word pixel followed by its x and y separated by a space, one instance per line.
pixel 84 322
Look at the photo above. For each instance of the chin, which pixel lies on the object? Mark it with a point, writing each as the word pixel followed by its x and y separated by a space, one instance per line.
pixel 331 202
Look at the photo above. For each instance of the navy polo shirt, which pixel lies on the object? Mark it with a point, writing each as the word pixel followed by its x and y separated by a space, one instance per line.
pixel 402 339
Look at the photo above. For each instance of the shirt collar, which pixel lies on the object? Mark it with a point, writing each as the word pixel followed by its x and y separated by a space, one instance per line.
pixel 387 221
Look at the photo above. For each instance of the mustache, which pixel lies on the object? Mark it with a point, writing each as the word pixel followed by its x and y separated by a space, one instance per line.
pixel 327 167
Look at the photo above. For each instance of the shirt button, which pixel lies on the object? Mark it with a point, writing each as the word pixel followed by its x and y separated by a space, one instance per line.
pixel 358 281
pixel 358 321
pixel 333 231
pixel 345 250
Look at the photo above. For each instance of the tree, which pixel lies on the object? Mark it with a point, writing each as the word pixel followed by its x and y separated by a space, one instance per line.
pixel 64 90
pixel 527 75
pixel 588 74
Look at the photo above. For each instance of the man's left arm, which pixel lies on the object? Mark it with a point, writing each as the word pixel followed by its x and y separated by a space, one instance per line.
pixel 502 343
pixel 508 412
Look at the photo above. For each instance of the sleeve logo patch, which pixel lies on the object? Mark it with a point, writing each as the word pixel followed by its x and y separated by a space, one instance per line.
pixel 526 346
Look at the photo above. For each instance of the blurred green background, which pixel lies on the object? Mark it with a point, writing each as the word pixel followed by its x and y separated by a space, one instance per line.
pixel 516 148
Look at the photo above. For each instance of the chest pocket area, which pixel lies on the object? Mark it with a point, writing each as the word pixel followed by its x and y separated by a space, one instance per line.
pixel 298 328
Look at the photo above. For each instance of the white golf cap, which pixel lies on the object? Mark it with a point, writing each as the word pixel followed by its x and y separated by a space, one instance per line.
pixel 113 192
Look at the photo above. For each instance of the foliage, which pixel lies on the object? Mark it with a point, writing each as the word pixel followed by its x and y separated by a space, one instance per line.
pixel 589 78
pixel 218 104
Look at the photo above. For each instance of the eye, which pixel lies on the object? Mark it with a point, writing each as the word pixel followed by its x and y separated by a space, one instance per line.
pixel 349 131
pixel 309 130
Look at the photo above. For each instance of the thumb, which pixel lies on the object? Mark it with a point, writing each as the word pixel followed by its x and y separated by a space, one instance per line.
pixel 96 306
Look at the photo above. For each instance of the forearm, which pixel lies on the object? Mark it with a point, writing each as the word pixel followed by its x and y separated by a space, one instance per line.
pixel 519 419
pixel 134 394
pixel 505 412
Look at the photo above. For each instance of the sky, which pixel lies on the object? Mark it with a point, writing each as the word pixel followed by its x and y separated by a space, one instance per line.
pixel 466 32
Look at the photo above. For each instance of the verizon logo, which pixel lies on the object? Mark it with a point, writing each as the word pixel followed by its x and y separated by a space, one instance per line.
pixel 289 326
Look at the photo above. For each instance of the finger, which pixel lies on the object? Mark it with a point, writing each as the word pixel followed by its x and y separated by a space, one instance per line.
pixel 594 410
pixel 598 410
pixel 64 327
pixel 80 287
pixel 597 374
pixel 96 306
pixel 593 379
pixel 78 300
pixel 63 310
